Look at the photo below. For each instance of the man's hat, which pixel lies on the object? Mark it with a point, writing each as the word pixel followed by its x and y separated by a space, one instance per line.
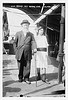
pixel 25 21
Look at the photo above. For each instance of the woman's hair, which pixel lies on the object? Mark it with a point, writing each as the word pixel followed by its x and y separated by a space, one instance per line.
pixel 39 28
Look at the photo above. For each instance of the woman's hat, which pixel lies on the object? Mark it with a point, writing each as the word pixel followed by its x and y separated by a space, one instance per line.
pixel 25 21
pixel 40 27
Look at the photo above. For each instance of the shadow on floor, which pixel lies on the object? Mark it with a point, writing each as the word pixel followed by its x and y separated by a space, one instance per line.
pixel 33 78
pixel 55 93
pixel 53 61
pixel 9 89
pixel 50 77
pixel 6 62
pixel 58 92
pixel 6 72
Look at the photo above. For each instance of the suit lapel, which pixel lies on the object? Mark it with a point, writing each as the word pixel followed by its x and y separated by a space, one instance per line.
pixel 23 36
pixel 24 39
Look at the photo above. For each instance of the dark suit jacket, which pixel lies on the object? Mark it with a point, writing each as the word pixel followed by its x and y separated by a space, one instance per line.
pixel 24 44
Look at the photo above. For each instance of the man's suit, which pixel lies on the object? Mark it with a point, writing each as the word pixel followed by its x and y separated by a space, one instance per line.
pixel 23 46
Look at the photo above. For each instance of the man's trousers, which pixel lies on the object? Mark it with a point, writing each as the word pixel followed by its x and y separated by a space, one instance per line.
pixel 24 68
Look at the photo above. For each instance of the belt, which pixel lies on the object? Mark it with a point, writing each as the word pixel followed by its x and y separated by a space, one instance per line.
pixel 42 49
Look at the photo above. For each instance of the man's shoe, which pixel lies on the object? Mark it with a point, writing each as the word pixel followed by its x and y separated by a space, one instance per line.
pixel 20 80
pixel 28 82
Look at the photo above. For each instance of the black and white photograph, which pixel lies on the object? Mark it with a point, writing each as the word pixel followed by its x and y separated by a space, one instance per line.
pixel 33 49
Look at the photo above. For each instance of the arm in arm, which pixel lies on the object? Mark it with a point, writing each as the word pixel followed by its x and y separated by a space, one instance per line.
pixel 15 43
pixel 34 45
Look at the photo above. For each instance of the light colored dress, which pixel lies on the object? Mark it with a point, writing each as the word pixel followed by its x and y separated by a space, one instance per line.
pixel 41 56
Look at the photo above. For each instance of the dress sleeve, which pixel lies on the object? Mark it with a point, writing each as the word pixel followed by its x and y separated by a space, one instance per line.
pixel 46 41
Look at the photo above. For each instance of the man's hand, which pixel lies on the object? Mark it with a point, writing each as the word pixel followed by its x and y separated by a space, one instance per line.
pixel 34 51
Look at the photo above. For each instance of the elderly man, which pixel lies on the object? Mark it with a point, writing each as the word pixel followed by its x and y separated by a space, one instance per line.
pixel 24 46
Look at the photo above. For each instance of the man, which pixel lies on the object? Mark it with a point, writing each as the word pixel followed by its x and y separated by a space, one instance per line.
pixel 24 46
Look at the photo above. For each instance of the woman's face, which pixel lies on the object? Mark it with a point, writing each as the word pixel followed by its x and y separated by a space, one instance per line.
pixel 41 31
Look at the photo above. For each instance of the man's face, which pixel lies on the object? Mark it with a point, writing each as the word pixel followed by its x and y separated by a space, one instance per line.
pixel 25 27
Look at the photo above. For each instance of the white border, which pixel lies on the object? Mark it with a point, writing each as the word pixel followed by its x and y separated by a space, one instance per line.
pixel 33 1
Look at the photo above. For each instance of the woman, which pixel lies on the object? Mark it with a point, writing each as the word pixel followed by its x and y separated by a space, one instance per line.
pixel 42 53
